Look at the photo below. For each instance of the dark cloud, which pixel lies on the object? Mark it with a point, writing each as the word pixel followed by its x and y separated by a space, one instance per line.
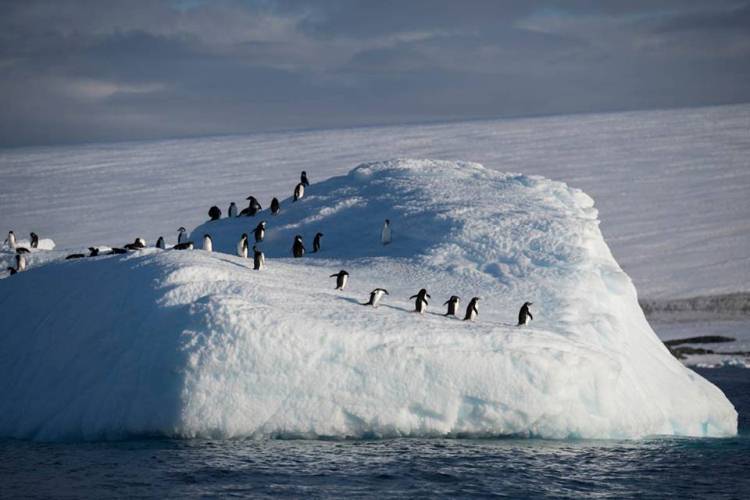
pixel 88 70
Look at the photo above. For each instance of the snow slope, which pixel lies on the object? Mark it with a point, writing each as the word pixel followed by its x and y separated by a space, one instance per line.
pixel 191 343
pixel 672 186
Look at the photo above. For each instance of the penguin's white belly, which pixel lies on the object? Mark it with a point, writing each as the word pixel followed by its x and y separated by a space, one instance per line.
pixel 386 235
pixel 207 245
pixel 344 280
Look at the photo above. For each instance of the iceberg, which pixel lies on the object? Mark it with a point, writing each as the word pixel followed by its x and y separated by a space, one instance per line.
pixel 197 344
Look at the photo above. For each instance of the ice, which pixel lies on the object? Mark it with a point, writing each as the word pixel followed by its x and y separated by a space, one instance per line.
pixel 190 343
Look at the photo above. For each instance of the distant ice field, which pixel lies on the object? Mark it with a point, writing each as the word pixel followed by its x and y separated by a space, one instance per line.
pixel 672 187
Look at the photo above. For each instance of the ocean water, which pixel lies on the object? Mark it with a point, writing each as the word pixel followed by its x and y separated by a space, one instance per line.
pixel 168 468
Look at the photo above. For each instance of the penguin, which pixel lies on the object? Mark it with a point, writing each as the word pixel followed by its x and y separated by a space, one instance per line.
pixel 253 207
pixel 136 245
pixel 20 262
pixel 453 304
pixel 160 243
pixel 303 179
pixel 242 246
pixel 421 303
pixel 117 251
pixel 299 191
pixel 316 242
pixel 75 256
pixel 214 212
pixel 208 244
pixel 260 231
pixel 472 310
pixel 341 278
pixel 259 259
pixel 375 297
pixel 385 234
pixel 188 245
pixel 34 240
pixel 275 207
pixel 181 235
pixel 22 250
pixel 298 249
pixel 524 315
pixel 232 210
pixel 93 252
pixel 11 240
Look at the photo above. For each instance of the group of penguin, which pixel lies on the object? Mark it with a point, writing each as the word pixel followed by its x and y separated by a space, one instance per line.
pixel 298 250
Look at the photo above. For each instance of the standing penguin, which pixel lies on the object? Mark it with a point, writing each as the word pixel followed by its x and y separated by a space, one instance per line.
pixel 421 303
pixel 34 240
pixel 232 210
pixel 299 191
pixel 453 304
pixel 316 242
pixel 260 231
pixel 298 249
pixel 303 179
pixel 275 206
pixel 472 310
pixel 214 212
pixel 20 262
pixel 524 315
pixel 160 243
pixel 341 278
pixel 259 260
pixel 208 243
pixel 181 235
pixel 375 297
pixel 11 240
pixel 385 234
pixel 242 246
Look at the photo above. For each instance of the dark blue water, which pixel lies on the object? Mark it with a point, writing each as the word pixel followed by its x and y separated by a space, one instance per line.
pixel 707 468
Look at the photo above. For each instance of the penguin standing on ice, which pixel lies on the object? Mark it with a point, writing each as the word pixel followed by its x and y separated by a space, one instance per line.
pixel 34 240
pixel 472 310
pixel 298 249
pixel 303 179
pixel 299 191
pixel 253 207
pixel 11 240
pixel 316 242
pixel 275 206
pixel 524 315
pixel 181 235
pixel 385 234
pixel 453 304
pixel 20 262
pixel 259 260
pixel 341 278
pixel 375 297
pixel 421 303
pixel 232 210
pixel 242 246
pixel 214 212
pixel 160 243
pixel 208 243
pixel 260 231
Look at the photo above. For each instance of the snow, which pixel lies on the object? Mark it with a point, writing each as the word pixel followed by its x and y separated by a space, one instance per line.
pixel 671 185
pixel 191 343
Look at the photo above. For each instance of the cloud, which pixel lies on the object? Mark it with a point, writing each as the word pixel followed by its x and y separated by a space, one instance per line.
pixel 86 70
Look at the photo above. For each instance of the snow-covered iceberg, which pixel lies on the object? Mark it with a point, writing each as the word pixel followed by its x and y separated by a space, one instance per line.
pixel 191 343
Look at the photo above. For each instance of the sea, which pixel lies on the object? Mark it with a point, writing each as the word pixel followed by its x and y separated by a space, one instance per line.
pixel 655 467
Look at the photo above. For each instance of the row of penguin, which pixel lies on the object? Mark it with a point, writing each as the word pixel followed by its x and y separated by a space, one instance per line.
pixel 298 250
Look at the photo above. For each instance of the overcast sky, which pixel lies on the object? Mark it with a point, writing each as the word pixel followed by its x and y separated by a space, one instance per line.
pixel 87 71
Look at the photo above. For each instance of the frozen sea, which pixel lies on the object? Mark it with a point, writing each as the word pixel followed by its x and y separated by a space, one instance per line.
pixel 389 468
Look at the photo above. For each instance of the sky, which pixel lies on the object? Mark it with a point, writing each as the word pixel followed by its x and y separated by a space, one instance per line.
pixel 98 70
